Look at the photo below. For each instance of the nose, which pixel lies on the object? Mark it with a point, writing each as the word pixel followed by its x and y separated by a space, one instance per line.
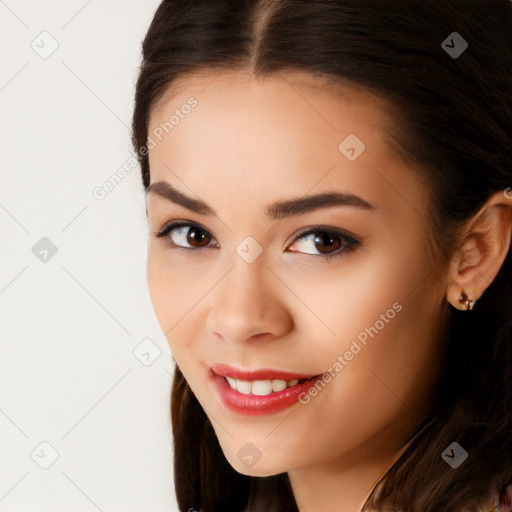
pixel 249 301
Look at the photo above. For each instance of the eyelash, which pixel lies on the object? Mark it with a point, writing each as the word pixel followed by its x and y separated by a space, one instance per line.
pixel 350 241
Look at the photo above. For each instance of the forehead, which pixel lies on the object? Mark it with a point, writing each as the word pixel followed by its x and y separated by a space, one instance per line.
pixel 306 93
pixel 277 136
pixel 238 115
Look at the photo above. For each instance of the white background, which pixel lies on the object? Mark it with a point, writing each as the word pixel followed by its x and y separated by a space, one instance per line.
pixel 71 386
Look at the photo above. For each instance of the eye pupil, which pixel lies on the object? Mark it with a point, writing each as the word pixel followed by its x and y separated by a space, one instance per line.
pixel 192 236
pixel 324 239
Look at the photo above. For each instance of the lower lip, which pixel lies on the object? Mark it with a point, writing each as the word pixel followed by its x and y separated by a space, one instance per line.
pixel 256 405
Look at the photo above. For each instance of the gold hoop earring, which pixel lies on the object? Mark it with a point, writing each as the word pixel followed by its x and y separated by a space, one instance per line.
pixel 466 302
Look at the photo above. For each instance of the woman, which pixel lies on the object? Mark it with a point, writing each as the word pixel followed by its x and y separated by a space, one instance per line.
pixel 328 196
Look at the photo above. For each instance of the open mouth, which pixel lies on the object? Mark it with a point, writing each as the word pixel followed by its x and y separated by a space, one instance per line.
pixel 264 387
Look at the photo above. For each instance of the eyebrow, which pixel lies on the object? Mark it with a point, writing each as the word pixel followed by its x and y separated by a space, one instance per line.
pixel 274 211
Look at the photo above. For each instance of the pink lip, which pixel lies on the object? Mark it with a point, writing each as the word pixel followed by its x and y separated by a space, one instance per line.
pixel 225 370
pixel 256 405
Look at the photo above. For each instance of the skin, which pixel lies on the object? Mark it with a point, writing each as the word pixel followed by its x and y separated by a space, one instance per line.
pixel 251 142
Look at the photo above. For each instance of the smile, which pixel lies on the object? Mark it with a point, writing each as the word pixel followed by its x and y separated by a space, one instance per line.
pixel 258 396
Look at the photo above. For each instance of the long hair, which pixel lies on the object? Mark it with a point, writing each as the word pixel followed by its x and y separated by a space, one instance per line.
pixel 452 121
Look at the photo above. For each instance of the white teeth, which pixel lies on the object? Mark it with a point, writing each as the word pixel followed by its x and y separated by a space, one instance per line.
pixel 278 385
pixel 232 382
pixel 260 387
pixel 243 386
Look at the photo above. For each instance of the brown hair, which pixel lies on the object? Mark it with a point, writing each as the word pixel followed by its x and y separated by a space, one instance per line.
pixel 453 122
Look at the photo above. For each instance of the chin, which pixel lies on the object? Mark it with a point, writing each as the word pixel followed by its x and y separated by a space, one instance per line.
pixel 257 472
pixel 260 469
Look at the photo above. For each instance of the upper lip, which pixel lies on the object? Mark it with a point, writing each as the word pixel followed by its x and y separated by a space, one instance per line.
pixel 224 370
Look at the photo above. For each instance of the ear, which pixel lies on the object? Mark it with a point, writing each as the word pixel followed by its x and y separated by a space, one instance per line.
pixel 483 248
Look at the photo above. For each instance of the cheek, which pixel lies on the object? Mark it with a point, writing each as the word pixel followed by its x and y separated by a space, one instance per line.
pixel 172 286
pixel 385 322
pixel 158 286
pixel 352 296
pixel 168 292
pixel 382 314
pixel 176 288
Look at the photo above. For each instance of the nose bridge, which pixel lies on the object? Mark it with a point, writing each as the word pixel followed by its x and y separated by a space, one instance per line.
pixel 244 287
pixel 245 302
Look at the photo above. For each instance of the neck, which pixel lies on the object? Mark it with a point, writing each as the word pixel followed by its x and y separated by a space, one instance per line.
pixel 344 484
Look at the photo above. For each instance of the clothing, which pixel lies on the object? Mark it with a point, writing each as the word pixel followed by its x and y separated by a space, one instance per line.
pixel 504 500
pixel 264 502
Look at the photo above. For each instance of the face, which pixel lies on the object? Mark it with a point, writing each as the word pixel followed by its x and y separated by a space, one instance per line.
pixel 342 288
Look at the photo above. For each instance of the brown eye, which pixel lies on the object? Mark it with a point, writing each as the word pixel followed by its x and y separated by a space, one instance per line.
pixel 184 235
pixel 197 237
pixel 326 243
